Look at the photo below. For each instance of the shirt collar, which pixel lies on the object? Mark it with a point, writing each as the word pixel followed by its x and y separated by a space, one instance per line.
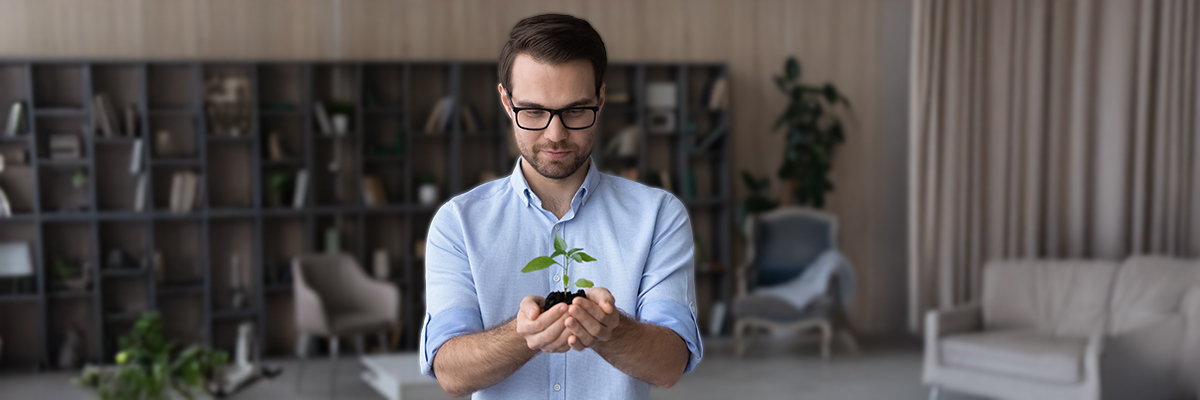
pixel 521 186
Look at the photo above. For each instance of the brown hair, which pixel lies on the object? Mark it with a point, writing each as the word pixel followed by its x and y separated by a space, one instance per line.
pixel 553 39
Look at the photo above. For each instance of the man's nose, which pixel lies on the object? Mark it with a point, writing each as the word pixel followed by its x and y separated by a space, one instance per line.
pixel 556 132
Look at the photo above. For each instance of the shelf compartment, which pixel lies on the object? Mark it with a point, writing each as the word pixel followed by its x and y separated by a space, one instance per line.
pixel 58 85
pixel 171 87
pixel 231 263
pixel 178 246
pixel 22 341
pixel 17 184
pixel 113 174
pixel 230 180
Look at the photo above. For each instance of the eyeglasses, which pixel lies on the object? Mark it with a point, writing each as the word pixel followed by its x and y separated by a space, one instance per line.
pixel 536 119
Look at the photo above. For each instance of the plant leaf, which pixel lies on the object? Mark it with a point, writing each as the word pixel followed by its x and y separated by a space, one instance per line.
pixel 560 245
pixel 583 283
pixel 584 257
pixel 539 264
pixel 556 253
pixel 573 251
pixel 793 69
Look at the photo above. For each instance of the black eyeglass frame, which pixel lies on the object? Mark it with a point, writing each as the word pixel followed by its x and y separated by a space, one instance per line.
pixel 558 112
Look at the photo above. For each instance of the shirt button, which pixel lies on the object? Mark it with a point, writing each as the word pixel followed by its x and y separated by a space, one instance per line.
pixel 556 228
pixel 557 278
pixel 557 387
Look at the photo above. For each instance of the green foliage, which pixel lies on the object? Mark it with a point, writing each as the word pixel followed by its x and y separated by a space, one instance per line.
pixel 812 134
pixel 560 249
pixel 148 365
pixel 758 200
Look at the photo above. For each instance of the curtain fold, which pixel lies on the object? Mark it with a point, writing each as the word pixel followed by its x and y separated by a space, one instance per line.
pixel 1065 129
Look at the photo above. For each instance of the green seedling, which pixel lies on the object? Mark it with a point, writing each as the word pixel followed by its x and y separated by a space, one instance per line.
pixel 560 249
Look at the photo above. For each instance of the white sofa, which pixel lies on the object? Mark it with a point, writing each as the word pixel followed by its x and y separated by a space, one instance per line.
pixel 1072 330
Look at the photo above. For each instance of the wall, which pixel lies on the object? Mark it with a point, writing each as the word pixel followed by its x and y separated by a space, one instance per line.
pixel 860 45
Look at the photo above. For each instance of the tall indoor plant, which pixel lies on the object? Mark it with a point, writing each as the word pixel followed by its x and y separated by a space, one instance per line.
pixel 814 130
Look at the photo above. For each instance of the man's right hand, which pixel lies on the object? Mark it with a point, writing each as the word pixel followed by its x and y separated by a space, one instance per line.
pixel 545 332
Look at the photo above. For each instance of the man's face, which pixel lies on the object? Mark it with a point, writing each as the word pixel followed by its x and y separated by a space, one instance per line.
pixel 555 152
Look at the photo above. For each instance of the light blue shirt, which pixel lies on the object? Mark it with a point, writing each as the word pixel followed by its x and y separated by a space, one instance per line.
pixel 479 241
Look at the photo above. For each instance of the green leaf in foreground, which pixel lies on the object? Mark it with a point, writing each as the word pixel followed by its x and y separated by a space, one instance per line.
pixel 583 283
pixel 560 245
pixel 538 264
pixel 584 257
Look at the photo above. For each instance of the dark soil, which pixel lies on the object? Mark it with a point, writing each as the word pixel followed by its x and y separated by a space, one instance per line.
pixel 558 297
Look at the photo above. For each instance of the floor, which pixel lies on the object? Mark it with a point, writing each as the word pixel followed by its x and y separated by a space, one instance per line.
pixel 771 369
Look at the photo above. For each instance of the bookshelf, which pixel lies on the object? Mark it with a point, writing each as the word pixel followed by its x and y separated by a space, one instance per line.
pixel 244 227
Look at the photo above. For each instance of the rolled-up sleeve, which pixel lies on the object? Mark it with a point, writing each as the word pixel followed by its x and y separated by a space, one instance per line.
pixel 451 305
pixel 668 291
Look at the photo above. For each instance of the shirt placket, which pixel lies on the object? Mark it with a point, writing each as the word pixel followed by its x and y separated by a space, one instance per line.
pixel 558 362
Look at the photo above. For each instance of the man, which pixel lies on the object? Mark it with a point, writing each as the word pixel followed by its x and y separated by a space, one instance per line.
pixel 484 332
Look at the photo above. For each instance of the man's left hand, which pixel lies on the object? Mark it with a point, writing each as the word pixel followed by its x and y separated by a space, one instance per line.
pixel 592 320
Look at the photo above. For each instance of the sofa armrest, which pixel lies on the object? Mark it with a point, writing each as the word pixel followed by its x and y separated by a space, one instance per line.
pixel 1191 348
pixel 940 323
pixel 1092 356
pixel 966 318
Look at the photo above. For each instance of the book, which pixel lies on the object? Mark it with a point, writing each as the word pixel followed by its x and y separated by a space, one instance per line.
pixel 65 146
pixel 322 119
pixel 16 120
pixel 373 191
pixel 139 194
pixel 105 115
pixel 190 191
pixel 135 157
pixel 301 189
pixel 5 206
pixel 176 192
pixel 718 95
pixel 433 122
pixel 131 121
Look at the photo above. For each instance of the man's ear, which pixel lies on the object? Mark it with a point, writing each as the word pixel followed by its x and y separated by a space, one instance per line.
pixel 504 100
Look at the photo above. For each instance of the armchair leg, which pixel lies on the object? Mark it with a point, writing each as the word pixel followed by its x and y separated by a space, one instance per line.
pixel 739 337
pixel 935 393
pixel 826 340
pixel 848 340
pixel 333 353
pixel 302 346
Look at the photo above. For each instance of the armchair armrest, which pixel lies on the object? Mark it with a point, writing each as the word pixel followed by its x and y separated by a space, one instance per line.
pixel 378 298
pixel 1092 357
pixel 310 311
pixel 940 323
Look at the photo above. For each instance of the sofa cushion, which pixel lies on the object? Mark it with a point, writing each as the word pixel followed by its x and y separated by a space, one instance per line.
pixel 1018 353
pixel 1065 298
pixel 1149 290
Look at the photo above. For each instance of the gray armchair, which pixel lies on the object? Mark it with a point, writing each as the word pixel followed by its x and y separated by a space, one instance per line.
pixel 794 279
pixel 335 299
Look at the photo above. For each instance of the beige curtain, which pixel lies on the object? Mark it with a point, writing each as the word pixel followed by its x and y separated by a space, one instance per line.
pixel 1051 129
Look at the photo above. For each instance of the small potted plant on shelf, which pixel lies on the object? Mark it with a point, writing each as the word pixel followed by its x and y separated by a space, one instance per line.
pixel 149 367
pixel 543 262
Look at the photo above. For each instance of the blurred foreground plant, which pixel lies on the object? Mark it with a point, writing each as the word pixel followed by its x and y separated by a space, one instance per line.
pixel 149 367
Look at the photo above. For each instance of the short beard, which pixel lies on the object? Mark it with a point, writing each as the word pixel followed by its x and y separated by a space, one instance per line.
pixel 553 170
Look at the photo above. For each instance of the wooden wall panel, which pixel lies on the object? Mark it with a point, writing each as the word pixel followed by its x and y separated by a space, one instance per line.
pixel 837 41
